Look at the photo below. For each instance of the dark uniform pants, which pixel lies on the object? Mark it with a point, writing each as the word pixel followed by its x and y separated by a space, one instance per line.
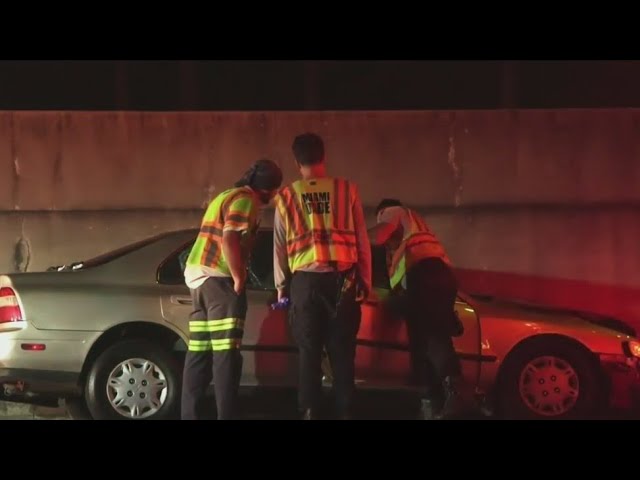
pixel 323 316
pixel 431 294
pixel 215 334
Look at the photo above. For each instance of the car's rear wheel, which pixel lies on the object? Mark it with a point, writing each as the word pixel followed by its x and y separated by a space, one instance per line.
pixel 550 378
pixel 133 380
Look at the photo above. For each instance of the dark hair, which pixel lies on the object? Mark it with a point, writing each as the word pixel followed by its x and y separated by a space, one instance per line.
pixel 308 149
pixel 264 174
pixel 386 203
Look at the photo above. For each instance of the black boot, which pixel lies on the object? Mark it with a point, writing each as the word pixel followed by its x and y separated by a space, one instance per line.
pixel 428 409
pixel 453 399
pixel 309 414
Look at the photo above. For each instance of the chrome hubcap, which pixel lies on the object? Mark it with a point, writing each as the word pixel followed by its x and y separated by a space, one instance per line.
pixel 549 386
pixel 137 388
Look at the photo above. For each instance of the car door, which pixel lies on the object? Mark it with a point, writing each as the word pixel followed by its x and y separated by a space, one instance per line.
pixel 269 357
pixel 382 356
pixel 270 353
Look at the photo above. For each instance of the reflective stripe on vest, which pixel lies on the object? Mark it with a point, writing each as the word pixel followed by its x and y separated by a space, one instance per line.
pixel 417 244
pixel 318 220
pixel 207 249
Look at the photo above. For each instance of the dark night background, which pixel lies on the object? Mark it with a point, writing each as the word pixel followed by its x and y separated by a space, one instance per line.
pixel 316 85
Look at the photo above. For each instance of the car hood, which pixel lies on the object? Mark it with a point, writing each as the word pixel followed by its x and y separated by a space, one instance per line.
pixel 527 311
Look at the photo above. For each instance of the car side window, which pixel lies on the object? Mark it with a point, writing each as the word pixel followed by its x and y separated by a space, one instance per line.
pixel 171 272
pixel 260 276
pixel 379 269
pixel 261 266
pixel 182 257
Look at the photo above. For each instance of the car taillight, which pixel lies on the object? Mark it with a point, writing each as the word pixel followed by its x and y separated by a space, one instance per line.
pixel 9 307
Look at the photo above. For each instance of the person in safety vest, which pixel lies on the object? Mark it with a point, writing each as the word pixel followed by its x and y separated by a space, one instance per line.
pixel 215 272
pixel 322 261
pixel 420 272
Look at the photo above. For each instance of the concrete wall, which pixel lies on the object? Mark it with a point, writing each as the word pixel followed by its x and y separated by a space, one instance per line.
pixel 539 204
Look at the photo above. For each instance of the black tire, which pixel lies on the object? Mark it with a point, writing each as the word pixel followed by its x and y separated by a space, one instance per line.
pixel 587 382
pixel 77 408
pixel 96 386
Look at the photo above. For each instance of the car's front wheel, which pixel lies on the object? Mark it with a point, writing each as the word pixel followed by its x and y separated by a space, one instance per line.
pixel 133 380
pixel 550 379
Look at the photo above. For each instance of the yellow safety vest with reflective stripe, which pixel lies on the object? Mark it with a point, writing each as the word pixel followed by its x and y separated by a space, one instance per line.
pixel 207 249
pixel 418 243
pixel 319 223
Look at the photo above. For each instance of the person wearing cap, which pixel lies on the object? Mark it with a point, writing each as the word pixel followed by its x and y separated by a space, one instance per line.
pixel 322 258
pixel 215 273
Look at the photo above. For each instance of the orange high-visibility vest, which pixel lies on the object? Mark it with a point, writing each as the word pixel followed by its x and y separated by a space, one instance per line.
pixel 319 223
pixel 418 243
pixel 207 249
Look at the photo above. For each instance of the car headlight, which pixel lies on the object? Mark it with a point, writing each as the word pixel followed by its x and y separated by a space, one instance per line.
pixel 631 348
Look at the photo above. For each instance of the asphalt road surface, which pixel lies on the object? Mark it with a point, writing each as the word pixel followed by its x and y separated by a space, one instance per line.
pixel 282 406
